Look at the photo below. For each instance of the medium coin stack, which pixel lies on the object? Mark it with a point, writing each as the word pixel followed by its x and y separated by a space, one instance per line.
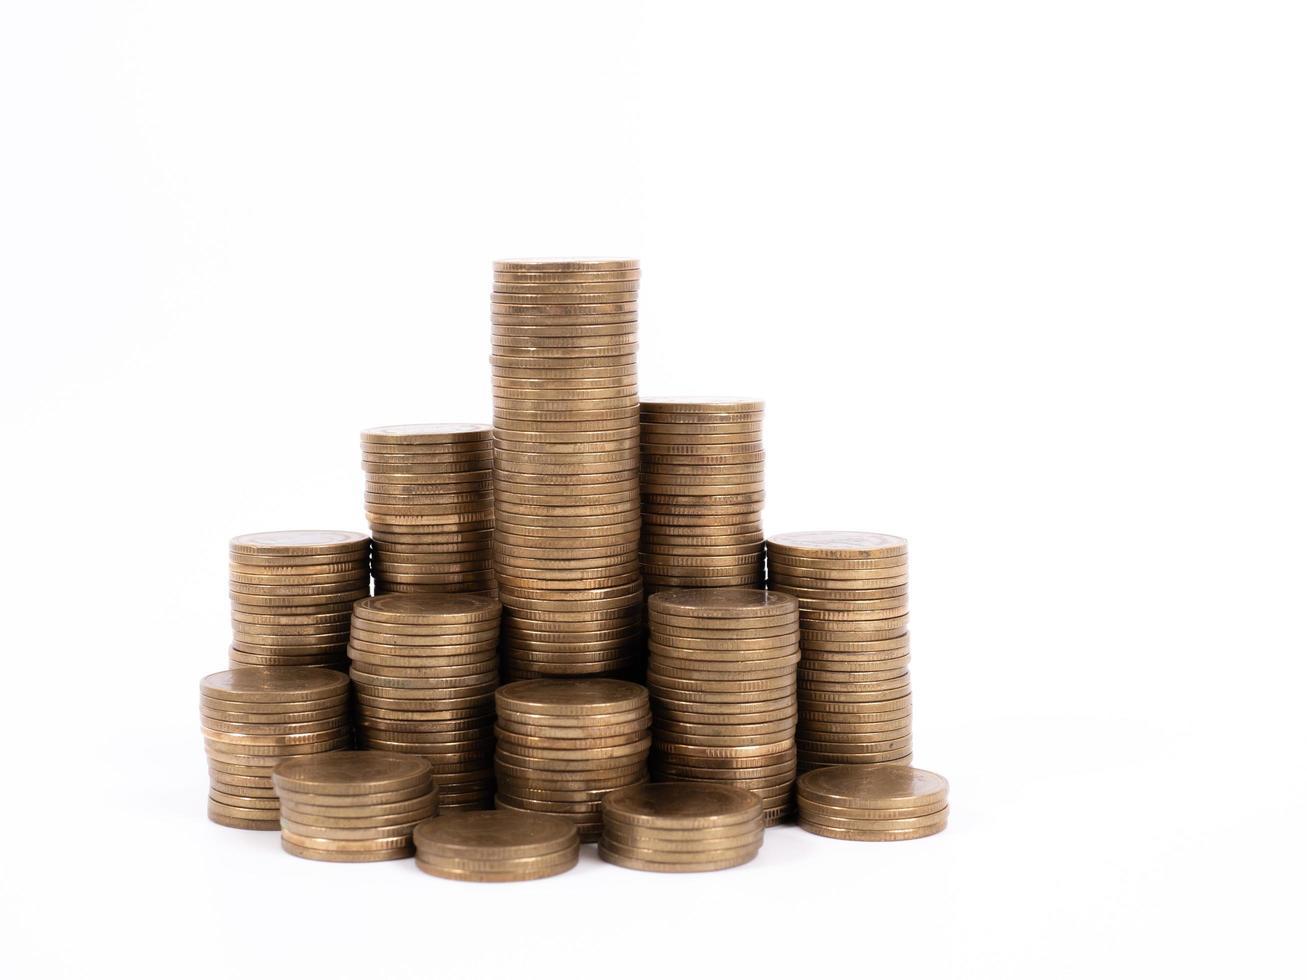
pixel 253 718
pixel 722 686
pixel 855 697
pixel 701 487
pixel 353 806
pixel 566 743
pixel 881 802
pixel 567 465
pixel 291 593
pixel 425 668
pixel 496 845
pixel 681 827
pixel 430 502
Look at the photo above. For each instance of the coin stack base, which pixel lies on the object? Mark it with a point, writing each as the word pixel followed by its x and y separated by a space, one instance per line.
pixel 873 803
pixel 253 718
pixel 681 827
pixel 496 845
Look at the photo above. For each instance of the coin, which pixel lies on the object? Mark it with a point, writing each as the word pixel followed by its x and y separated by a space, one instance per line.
pixel 266 543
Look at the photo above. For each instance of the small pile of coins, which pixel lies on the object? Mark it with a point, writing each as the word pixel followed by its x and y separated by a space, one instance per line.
pixel 253 718
pixel 353 806
pixel 425 668
pixel 496 845
pixel 681 827
pixel 291 593
pixel 430 503
pixel 701 491
pixel 564 744
pixel 873 803
pixel 855 696
pixel 567 465
pixel 722 686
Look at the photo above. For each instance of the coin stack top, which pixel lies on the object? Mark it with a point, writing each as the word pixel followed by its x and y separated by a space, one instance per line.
pixel 681 827
pixel 290 596
pixel 496 845
pixel 873 803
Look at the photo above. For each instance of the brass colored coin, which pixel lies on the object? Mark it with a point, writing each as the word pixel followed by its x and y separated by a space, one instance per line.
pixel 351 773
pixel 220 816
pixel 525 874
pixel 253 562
pixel 749 604
pixel 539 266
pixel 352 835
pixel 700 406
pixel 348 809
pixel 255 685
pixel 671 861
pixel 838 544
pixel 874 787
pixel 821 811
pixel 870 835
pixel 682 806
pixel 819 566
pixel 545 288
pixel 327 844
pixel 427 433
pixel 299 543
pixel 495 835
pixel 346 856
pixel 434 609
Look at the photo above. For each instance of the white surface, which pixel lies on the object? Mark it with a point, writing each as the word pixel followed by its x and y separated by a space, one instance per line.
pixel 1020 281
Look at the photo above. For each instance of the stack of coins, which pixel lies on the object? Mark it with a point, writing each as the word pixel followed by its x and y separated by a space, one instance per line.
pixel 353 806
pixel 567 465
pixel 881 802
pixel 681 827
pixel 701 486
pixel 722 686
pixel 291 593
pixel 565 744
pixel 430 502
pixel 496 845
pixel 425 668
pixel 253 718
pixel 855 703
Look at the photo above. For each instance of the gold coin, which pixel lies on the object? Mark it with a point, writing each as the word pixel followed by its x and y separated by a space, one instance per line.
pixel 425 433
pixel 874 788
pixel 346 856
pixel 299 543
pixel 433 609
pixel 547 288
pixel 219 815
pixel 682 806
pixel 350 773
pixel 870 835
pixel 253 685
pixel 541 266
pixel 838 544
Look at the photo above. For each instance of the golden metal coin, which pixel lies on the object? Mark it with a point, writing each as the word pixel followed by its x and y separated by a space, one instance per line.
pixel 870 835
pixel 426 433
pixel 351 773
pixel 265 543
pixel 838 544
pixel 255 685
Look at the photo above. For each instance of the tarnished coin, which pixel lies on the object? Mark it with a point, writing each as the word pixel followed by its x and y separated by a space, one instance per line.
pixel 351 773
pixel 260 685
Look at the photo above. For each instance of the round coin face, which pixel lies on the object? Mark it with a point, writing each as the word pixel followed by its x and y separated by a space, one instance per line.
pixel 682 805
pixel 422 432
pixel 873 787
pixel 840 544
pixel 273 684
pixel 298 542
pixel 455 606
pixel 350 772
pixel 722 603
pixel 495 834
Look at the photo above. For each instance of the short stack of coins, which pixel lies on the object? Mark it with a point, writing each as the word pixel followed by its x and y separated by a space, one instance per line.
pixel 255 717
pixel 291 593
pixel 567 465
pixel 425 668
pixel 855 697
pixel 722 686
pixel 430 503
pixel 701 486
pixel 566 743
pixel 353 806
pixel 496 845
pixel 681 827
pixel 873 803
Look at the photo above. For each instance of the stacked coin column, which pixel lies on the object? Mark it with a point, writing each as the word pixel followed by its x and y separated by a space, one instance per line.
pixel 291 593
pixel 425 668
pixel 701 484
pixel 855 697
pixel 430 503
pixel 565 744
pixel 567 459
pixel 722 686
pixel 253 718
pixel 681 827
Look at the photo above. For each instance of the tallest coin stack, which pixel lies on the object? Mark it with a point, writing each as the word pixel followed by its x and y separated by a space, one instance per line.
pixel 567 465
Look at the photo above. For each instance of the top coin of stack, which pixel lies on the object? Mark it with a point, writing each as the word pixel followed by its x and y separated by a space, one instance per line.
pixel 567 457
pixel 701 485
pixel 681 827
pixel 496 845
pixel 855 703
pixel 430 503
pixel 291 595
pixel 873 802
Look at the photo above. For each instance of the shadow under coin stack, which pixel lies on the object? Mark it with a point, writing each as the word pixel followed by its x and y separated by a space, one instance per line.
pixel 873 803
pixel 496 845
pixel 291 593
pixel 567 462
pixel 681 827
pixel 430 504
pixel 353 806
pixel 701 493
pixel 565 744
pixel 855 698
pixel 425 668
pixel 722 686
pixel 255 717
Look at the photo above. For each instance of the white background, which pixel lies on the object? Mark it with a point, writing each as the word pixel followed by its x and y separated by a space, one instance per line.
pixel 1022 282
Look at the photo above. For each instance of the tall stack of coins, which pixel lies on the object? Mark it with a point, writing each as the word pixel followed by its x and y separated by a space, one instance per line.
pixel 681 827
pixel 425 668
pixel 882 802
pixel 497 845
pixel 353 806
pixel 722 686
pixel 430 502
pixel 291 593
pixel 567 465
pixel 253 718
pixel 565 744
pixel 855 697
pixel 701 485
